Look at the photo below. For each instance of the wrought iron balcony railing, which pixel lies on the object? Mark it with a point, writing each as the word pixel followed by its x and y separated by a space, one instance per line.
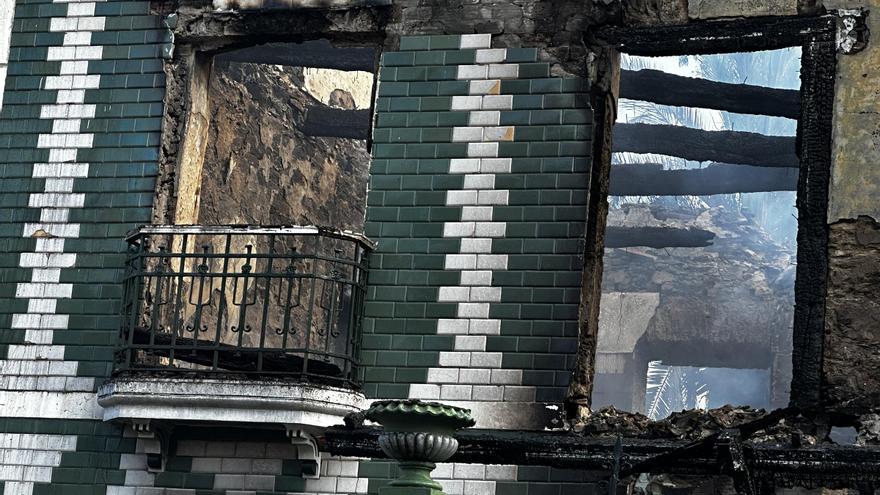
pixel 281 302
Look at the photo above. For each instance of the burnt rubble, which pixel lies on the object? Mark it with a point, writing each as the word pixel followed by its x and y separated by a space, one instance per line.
pixel 695 424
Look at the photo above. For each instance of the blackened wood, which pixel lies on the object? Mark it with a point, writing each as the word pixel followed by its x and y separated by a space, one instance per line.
pixel 745 148
pixel 649 179
pixel 719 36
pixel 818 65
pixel 319 54
pixel 656 237
pixel 669 89
pixel 559 449
pixel 580 388
pixel 829 465
pixel 322 120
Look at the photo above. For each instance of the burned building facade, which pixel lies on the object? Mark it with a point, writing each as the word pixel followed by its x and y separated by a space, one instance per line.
pixel 230 224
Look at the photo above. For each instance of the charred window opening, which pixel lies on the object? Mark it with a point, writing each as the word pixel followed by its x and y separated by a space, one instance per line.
pixel 701 233
pixel 278 135
pixel 812 152
pixel 266 130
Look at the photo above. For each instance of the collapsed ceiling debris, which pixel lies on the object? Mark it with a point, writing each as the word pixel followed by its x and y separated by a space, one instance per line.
pixel 691 425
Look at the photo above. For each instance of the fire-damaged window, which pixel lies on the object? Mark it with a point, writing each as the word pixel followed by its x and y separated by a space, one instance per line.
pixel 285 142
pixel 263 271
pixel 701 239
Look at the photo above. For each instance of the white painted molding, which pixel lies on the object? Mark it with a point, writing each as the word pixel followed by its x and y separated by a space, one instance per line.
pixel 226 401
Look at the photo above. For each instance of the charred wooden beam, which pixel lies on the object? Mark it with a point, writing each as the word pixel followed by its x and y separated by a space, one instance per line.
pixel 830 465
pixel 719 36
pixel 649 179
pixel 318 54
pixel 669 89
pixel 745 148
pixel 559 449
pixel 818 69
pixel 656 237
pixel 322 120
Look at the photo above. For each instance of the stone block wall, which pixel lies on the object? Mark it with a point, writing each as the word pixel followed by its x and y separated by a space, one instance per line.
pixel 852 331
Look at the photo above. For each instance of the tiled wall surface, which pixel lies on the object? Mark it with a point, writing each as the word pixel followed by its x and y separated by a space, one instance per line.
pixel 79 135
pixel 477 201
pixel 6 11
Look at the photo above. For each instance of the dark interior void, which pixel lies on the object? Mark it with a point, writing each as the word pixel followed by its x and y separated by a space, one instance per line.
pixel 266 163
pixel 701 293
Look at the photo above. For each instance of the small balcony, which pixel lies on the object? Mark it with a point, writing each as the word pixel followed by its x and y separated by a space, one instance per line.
pixel 239 324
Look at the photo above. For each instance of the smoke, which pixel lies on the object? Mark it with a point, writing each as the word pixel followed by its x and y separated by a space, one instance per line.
pixel 721 333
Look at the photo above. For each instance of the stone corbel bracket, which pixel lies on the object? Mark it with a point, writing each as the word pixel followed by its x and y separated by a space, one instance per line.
pixel 154 440
pixel 852 30
pixel 307 450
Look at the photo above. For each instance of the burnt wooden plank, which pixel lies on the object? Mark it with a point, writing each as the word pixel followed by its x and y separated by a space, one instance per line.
pixel 322 120
pixel 656 237
pixel 580 388
pixel 318 54
pixel 818 66
pixel 669 89
pixel 745 148
pixel 719 36
pixel 649 179
pixel 772 464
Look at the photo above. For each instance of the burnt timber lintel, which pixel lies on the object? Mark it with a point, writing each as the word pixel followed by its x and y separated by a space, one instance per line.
pixel 316 53
pixel 720 36
pixel 657 237
pixel 649 179
pixel 323 120
pixel 746 148
pixel 833 466
pixel 669 89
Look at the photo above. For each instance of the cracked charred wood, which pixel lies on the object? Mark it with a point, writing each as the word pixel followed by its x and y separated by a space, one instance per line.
pixel 829 465
pixel 322 120
pixel 745 148
pixel 319 54
pixel 669 89
pixel 559 449
pixel 649 179
pixel 656 237
pixel 719 36
pixel 815 131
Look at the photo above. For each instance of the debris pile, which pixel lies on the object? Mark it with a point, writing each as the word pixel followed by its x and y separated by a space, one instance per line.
pixel 691 424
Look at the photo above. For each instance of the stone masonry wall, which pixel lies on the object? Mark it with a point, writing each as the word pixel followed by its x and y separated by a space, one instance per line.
pixel 851 325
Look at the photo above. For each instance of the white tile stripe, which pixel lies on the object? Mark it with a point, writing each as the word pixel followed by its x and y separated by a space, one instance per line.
pixel 35 380
pixel 469 372
pixel 27 458
pixel 472 479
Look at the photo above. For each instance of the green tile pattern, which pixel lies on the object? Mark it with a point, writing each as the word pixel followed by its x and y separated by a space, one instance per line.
pixel 407 209
pixel 118 190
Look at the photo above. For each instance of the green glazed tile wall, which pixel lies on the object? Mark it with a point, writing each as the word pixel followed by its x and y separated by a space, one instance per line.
pixel 477 200
pixel 79 137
